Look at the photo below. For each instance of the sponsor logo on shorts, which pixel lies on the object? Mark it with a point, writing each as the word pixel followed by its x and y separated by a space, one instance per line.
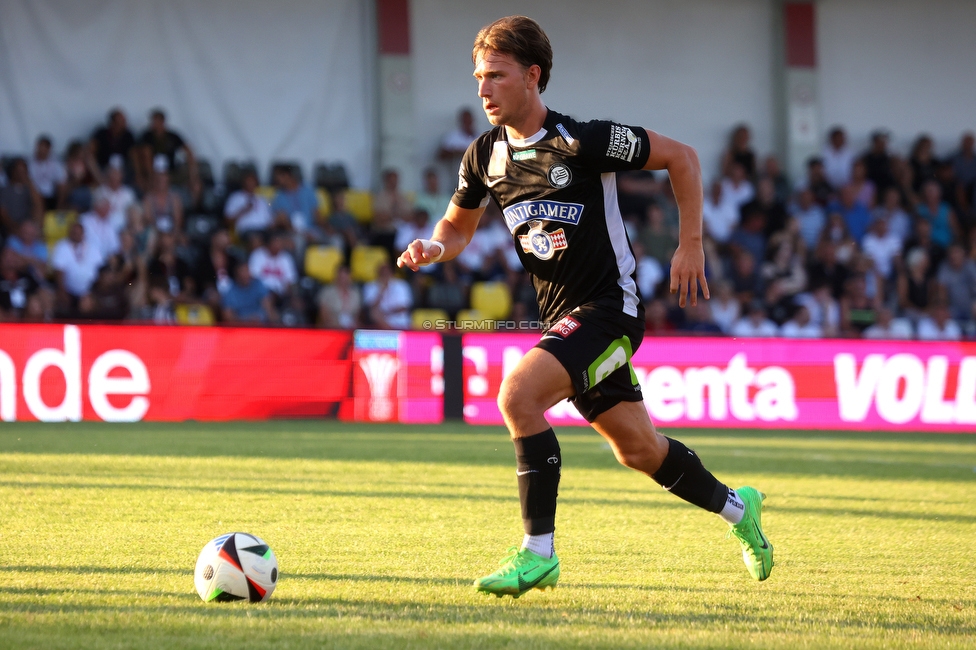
pixel 560 176
pixel 565 327
pixel 624 145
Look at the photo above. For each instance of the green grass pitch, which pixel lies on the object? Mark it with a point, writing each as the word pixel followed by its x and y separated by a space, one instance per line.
pixel 379 531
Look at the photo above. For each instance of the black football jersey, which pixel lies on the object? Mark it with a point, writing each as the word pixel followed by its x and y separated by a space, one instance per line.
pixel 558 194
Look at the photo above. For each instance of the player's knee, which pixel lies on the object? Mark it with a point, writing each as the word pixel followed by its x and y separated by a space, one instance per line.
pixel 515 405
pixel 645 458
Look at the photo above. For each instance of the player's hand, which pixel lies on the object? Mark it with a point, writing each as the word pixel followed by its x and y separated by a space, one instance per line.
pixel 687 273
pixel 420 252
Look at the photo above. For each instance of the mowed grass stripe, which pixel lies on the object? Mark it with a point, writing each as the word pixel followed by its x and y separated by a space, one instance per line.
pixel 380 530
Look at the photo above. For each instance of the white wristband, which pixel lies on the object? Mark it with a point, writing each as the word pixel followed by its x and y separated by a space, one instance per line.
pixel 428 244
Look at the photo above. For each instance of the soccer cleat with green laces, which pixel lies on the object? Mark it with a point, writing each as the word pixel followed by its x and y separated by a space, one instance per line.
pixel 521 571
pixel 757 551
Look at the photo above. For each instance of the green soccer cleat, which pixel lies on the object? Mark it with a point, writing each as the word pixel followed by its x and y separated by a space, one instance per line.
pixel 521 571
pixel 757 551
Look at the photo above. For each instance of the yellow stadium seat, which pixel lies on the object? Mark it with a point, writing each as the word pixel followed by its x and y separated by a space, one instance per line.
pixel 365 261
pixel 325 201
pixel 56 224
pixel 359 203
pixel 426 320
pixel 492 299
pixel 471 319
pixel 321 262
pixel 267 192
pixel 194 315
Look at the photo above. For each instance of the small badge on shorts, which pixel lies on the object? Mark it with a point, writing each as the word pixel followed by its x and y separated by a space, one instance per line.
pixel 542 244
pixel 566 326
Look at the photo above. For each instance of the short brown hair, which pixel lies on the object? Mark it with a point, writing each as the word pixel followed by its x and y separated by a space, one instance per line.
pixel 519 37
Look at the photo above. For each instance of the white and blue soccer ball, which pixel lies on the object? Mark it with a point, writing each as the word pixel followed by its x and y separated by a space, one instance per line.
pixel 236 566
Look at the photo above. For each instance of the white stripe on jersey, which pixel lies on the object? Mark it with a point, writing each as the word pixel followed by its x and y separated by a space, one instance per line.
pixel 626 264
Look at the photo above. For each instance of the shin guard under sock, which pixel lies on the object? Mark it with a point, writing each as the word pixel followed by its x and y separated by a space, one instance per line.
pixel 683 475
pixel 539 463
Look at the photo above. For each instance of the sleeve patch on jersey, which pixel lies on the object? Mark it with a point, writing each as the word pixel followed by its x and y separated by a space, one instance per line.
pixel 566 136
pixel 543 244
pixel 623 143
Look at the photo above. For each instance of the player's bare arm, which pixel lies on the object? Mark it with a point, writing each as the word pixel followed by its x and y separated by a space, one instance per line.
pixel 688 262
pixel 453 232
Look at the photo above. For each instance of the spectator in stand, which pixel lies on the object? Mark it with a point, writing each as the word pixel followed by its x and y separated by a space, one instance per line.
pixel 809 216
pixel 899 223
pixel 99 229
pixel 656 322
pixel 168 269
pixel 889 327
pixel 162 207
pixel 19 199
pixel 245 212
pixel 485 242
pixel 750 235
pixel 215 269
pixel 22 296
pixel 827 267
pixel 431 198
pixel 938 213
pixel 388 300
pixel 882 247
pixel 916 287
pixel 863 188
pixel 877 162
pixel 740 152
pixel 725 308
pixel 343 222
pixel 30 250
pixel 964 166
pixel 816 181
pixel 736 186
pixel 455 143
pixel 108 300
pixel 824 309
pixel 76 261
pixel 938 325
pixel 800 326
pixel 649 271
pixel 923 240
pixel 295 206
pixel 774 172
pixel 699 321
pixel 838 159
pixel 340 303
pixel 744 276
pixel 858 310
pixel 143 234
pixel 120 196
pixel 720 214
pixel 114 139
pixel 448 293
pixel 248 300
pixel 390 209
pixel 957 284
pixel 636 189
pixel 416 226
pixel 755 324
pixel 856 215
pixel 83 175
pixel 274 267
pixel 159 140
pixel 773 212
pixel 783 276
pixel 659 241
pixel 923 162
pixel 47 173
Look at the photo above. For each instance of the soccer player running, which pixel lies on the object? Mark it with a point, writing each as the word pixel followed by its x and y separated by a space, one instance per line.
pixel 553 178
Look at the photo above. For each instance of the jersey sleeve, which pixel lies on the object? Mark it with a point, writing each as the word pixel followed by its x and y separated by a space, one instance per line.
pixel 472 192
pixel 612 147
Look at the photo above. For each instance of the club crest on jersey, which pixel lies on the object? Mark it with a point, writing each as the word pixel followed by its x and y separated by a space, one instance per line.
pixel 540 243
pixel 560 176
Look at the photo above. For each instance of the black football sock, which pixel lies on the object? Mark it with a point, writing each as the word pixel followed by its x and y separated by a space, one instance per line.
pixel 683 475
pixel 539 463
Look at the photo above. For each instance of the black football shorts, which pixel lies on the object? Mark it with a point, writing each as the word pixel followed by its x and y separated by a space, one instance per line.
pixel 594 344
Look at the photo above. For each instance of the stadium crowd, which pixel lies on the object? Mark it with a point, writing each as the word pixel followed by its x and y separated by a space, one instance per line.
pixel 867 244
